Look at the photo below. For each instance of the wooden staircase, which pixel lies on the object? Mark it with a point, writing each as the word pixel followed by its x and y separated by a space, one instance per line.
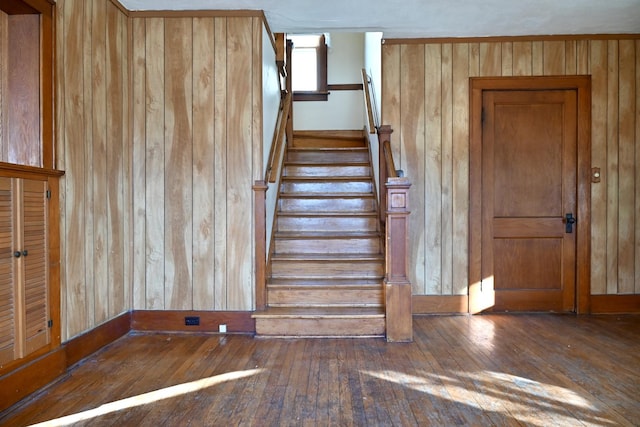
pixel 327 262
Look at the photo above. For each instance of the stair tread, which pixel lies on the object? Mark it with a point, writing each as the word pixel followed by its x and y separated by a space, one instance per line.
pixel 327 234
pixel 325 195
pixel 327 213
pixel 328 257
pixel 306 178
pixel 315 312
pixel 355 281
pixel 329 148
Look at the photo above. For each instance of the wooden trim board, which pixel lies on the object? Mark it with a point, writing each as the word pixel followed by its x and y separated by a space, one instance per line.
pixel 440 304
pixel 615 304
pixel 239 322
pixel 88 343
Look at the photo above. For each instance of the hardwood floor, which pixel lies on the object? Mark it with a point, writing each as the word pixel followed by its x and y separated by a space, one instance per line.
pixel 538 370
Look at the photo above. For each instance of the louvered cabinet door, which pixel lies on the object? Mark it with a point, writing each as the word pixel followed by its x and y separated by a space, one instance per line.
pixel 8 319
pixel 24 285
pixel 34 263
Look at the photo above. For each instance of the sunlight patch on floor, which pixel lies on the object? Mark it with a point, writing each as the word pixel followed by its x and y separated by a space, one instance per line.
pixel 523 399
pixel 151 397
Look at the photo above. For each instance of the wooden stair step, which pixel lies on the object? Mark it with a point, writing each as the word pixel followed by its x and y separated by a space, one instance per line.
pixel 327 202
pixel 333 185
pixel 327 221
pixel 327 265
pixel 320 322
pixel 327 156
pixel 305 242
pixel 325 293
pixel 315 170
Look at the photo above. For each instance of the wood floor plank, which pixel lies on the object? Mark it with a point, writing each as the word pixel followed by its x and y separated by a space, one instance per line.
pixel 502 370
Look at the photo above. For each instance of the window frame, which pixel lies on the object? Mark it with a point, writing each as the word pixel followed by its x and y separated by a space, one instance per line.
pixel 322 91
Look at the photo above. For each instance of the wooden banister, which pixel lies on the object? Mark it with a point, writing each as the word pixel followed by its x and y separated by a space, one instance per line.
pixel 394 217
pixel 366 85
pixel 279 140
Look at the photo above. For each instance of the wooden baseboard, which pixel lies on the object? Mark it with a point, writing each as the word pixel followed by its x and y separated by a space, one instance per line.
pixel 88 343
pixel 615 304
pixel 174 321
pixel 440 304
pixel 27 379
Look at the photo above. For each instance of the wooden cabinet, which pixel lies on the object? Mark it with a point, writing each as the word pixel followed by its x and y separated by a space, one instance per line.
pixel 25 315
pixel 26 83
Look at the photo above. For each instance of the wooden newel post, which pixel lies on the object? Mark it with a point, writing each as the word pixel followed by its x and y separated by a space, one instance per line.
pixel 384 135
pixel 397 285
pixel 260 218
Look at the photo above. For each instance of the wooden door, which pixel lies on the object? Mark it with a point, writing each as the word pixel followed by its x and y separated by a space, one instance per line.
pixel 529 164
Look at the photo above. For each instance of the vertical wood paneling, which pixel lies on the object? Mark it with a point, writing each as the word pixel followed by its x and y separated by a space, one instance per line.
pixel 203 164
pixel 154 163
pixel 571 59
pixel 93 72
pixel 220 162
pixel 391 88
pixel 626 166
pixel 522 57
pixel 138 162
pixel 239 160
pixel 507 58
pixel 74 185
pixel 615 134
pixel 4 59
pixel 116 144
pixel 553 58
pixel 60 154
pixel 598 53
pixel 447 167
pixel 432 162
pixel 460 187
pixel 490 59
pixel 92 146
pixel 412 104
pixel 612 167
pixel 97 250
pixel 178 165
pixel 537 58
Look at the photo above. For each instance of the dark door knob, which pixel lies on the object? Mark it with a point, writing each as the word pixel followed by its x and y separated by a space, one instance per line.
pixel 569 221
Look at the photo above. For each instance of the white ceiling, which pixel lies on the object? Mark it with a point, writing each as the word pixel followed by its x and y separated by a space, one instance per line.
pixel 430 18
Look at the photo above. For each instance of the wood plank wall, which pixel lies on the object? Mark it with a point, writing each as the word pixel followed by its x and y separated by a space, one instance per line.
pixel 160 132
pixel 197 135
pixel 93 147
pixel 426 101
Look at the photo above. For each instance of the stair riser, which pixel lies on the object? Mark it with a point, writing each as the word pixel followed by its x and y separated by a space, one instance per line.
pixel 312 268
pixel 328 143
pixel 293 297
pixel 320 327
pixel 332 224
pixel 334 246
pixel 328 205
pixel 323 158
pixel 327 171
pixel 327 187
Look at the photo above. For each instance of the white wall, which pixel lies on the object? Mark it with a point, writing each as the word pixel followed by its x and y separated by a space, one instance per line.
pixel 270 108
pixel 344 109
pixel 373 66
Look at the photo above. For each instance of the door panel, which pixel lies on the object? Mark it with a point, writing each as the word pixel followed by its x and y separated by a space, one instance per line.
pixel 528 185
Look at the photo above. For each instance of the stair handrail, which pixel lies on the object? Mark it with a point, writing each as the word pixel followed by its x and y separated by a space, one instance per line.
pixel 279 141
pixel 367 85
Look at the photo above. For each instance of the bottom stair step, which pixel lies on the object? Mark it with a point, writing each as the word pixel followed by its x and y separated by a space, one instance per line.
pixel 320 322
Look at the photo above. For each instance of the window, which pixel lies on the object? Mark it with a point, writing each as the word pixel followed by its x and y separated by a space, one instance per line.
pixel 309 67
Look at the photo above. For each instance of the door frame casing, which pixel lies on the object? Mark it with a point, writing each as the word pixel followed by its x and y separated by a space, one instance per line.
pixel 582 86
